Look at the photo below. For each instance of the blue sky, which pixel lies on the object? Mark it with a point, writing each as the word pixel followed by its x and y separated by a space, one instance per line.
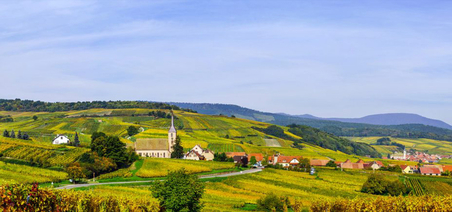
pixel 326 58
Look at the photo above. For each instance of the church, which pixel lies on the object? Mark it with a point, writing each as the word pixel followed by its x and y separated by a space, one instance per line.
pixel 157 147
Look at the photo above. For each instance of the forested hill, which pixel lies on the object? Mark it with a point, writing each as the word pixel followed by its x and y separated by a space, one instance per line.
pixel 334 127
pixel 40 106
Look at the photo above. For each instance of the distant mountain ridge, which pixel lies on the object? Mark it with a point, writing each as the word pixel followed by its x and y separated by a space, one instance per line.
pixel 340 127
pixel 388 119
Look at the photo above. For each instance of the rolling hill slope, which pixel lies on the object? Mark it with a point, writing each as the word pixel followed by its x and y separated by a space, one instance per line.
pixel 219 133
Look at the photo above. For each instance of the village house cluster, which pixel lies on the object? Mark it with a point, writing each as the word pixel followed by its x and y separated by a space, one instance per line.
pixel 421 157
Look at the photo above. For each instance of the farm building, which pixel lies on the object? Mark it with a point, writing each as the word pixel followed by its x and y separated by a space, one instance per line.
pixel 193 155
pixel 61 139
pixel 433 171
pixel 408 169
pixel 319 162
pixel 241 159
pixel 232 154
pixel 157 147
pixel 349 165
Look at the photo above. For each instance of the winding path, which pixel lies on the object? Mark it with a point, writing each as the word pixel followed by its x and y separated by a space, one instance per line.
pixel 249 171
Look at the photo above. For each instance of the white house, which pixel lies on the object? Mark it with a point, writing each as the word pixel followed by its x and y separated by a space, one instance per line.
pixel 61 139
pixel 198 153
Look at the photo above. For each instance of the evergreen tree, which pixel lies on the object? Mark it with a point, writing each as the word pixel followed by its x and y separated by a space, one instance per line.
pixel 25 137
pixel 178 150
pixel 13 135
pixel 19 135
pixel 76 141
pixel 5 133
pixel 253 160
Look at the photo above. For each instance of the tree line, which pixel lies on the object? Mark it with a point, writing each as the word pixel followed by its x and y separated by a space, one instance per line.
pixel 12 134
pixel 40 106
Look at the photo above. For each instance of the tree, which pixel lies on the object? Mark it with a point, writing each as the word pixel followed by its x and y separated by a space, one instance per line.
pixel 305 164
pixel 19 135
pixel 35 117
pixel 375 184
pixel 75 171
pixel 253 160
pixel 112 147
pixel 179 192
pixel 25 136
pixel 12 135
pixel 132 130
pixel 5 133
pixel 178 150
pixel 76 140
pixel 331 164
pixel 271 202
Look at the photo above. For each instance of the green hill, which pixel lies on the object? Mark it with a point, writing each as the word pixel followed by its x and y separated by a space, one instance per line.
pixel 218 133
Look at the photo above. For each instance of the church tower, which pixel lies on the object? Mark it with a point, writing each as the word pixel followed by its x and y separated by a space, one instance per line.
pixel 172 133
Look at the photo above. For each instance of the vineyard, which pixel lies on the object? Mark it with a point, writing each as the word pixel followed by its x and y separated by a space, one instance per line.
pixel 416 187
pixel 397 204
pixel 38 153
pixel 33 198
pixel 14 173
pixel 158 167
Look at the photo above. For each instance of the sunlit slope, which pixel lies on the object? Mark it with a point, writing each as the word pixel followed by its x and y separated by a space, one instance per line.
pixel 420 144
pixel 218 133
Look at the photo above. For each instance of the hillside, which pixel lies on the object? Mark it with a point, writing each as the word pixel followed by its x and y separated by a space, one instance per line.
pixel 337 127
pixel 218 133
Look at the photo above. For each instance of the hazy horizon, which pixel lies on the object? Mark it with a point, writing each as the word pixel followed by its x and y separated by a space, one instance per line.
pixel 344 59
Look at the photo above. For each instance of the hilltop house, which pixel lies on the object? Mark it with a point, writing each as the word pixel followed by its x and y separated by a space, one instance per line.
pixel 61 139
pixel 157 147
pixel 198 153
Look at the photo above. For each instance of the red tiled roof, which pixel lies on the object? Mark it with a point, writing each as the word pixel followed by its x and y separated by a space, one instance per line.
pixel 232 154
pixel 447 168
pixel 403 167
pixel 430 170
pixel 287 159
pixel 319 162
pixel 379 163
pixel 258 156
pixel 360 161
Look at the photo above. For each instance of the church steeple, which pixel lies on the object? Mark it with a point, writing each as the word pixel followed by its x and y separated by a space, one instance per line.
pixel 172 128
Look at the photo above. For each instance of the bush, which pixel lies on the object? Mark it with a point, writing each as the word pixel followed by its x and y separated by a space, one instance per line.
pixel 377 184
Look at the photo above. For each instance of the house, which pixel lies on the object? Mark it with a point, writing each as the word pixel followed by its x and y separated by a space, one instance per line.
pixel 157 147
pixel 61 139
pixel 447 168
pixel 198 153
pixel 433 171
pixel 349 165
pixel 373 165
pixel 285 161
pixel 259 158
pixel 406 169
pixel 319 162
pixel 193 155
pixel 241 159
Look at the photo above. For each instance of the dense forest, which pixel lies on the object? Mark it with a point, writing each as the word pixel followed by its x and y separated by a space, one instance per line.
pixel 316 137
pixel 39 106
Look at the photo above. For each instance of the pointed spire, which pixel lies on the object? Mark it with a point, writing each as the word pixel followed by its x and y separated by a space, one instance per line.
pixel 172 128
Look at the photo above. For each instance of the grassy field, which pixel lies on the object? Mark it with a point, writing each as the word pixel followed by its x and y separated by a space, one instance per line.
pixel 420 144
